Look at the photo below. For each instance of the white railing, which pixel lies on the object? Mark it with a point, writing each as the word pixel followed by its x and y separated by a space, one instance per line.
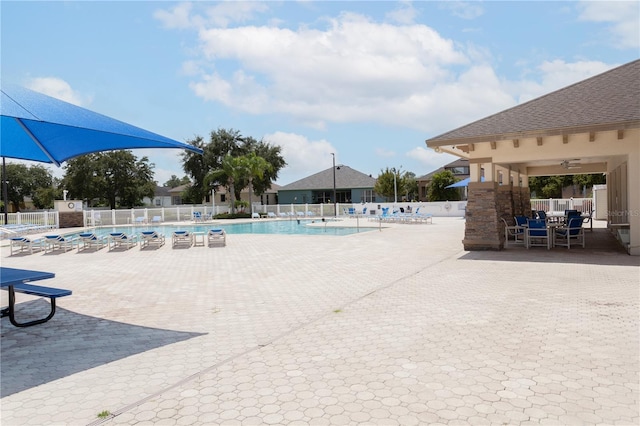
pixel 584 205
pixel 28 223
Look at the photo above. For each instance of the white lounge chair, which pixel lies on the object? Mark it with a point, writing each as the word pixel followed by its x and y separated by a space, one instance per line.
pixel 24 244
pixel 272 215
pixel 156 219
pixel 89 239
pixel 55 242
pixel 120 239
pixel 215 236
pixel 181 239
pixel 149 238
pixel 140 220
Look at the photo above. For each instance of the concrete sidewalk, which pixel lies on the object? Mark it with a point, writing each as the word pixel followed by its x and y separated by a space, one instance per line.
pixel 394 327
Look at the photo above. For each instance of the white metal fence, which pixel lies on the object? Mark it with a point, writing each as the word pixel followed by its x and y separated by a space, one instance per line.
pixel 584 205
pixel 29 222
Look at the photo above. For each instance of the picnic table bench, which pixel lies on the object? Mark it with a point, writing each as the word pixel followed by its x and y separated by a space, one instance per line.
pixel 14 281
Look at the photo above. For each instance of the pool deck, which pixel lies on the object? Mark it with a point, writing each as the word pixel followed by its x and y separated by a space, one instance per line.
pixel 398 326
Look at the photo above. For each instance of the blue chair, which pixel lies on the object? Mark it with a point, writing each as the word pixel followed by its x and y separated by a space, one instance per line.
pixel 573 231
pixel 537 234
pixel 521 221
pixel 541 215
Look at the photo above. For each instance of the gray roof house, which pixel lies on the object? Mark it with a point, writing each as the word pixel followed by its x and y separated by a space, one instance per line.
pixel 351 186
pixel 459 168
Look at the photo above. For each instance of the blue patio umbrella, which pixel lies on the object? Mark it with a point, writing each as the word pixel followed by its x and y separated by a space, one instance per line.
pixel 462 183
pixel 40 128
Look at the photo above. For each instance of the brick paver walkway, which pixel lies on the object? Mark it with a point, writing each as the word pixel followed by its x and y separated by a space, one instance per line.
pixel 394 327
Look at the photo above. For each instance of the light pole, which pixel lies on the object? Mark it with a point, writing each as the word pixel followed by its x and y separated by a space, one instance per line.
pixel 213 203
pixel 395 187
pixel 335 211
pixel 5 190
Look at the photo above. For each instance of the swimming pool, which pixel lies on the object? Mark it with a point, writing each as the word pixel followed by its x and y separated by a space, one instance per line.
pixel 282 227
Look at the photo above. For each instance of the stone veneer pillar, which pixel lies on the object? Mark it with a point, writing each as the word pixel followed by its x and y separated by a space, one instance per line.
pixel 71 219
pixel 487 204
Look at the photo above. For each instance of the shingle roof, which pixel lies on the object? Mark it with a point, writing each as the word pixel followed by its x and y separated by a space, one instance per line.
pixel 612 97
pixel 346 178
pixel 460 162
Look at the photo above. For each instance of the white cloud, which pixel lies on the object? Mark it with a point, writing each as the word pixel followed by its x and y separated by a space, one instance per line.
pixel 623 17
pixel 354 70
pixel 429 159
pixel 303 157
pixel 404 14
pixel 57 88
pixel 557 74
pixel 384 153
pixel 463 9
pixel 222 14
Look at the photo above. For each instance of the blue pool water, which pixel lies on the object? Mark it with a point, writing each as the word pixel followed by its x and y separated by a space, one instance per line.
pixel 282 227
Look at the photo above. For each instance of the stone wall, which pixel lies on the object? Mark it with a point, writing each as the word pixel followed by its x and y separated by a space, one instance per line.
pixel 71 219
pixel 481 229
pixel 487 204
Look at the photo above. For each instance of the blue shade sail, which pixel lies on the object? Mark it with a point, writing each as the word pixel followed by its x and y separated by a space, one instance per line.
pixel 41 128
pixel 462 183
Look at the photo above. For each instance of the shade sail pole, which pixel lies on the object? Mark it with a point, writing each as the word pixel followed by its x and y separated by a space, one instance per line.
pixel 37 142
pixel 5 195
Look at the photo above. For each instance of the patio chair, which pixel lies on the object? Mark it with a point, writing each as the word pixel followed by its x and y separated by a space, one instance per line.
pixel 541 214
pixel 156 219
pixel 88 240
pixel 573 231
pixel 120 239
pixel 521 220
pixel 24 244
pixel 55 242
pixel 140 220
pixel 216 236
pixel 513 234
pixel 181 239
pixel 272 215
pixel 149 238
pixel 197 217
pixel 537 234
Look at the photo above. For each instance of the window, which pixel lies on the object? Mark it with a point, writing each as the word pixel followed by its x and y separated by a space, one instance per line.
pixel 462 170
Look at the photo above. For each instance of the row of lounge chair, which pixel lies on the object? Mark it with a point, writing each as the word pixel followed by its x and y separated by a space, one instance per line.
pixel 290 215
pixel 115 240
pixel 402 217
pixel 12 230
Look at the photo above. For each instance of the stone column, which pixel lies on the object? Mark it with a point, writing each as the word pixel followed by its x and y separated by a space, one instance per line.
pixel 482 229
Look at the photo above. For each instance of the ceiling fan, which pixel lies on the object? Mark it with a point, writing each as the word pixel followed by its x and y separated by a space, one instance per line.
pixel 568 164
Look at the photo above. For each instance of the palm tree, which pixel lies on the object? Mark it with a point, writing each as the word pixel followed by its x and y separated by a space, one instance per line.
pixel 233 169
pixel 255 166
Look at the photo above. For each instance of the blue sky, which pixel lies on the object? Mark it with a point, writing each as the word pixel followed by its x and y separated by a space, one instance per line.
pixel 366 80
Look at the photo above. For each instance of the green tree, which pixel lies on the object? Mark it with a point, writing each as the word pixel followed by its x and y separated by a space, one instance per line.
pixel 255 167
pixel 174 181
pixel 232 169
pixel 225 142
pixel 410 185
pixel 551 186
pixel 390 183
pixel 112 178
pixel 23 181
pixel 438 190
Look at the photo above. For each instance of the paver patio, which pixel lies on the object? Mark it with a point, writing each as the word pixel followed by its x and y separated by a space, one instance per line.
pixel 394 327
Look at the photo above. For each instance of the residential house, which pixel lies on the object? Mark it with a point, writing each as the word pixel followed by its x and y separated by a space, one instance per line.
pixel 351 186
pixel 459 168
